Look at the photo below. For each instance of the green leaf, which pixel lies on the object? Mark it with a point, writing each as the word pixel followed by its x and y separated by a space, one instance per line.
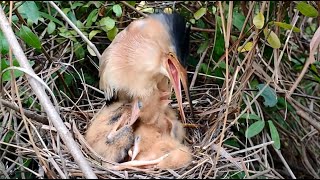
pixel 72 17
pixel 250 116
pixel 92 17
pixel 274 135
pixel 232 142
pixel 286 26
pixel 79 51
pixel 283 104
pixel 202 11
pixel 247 47
pixel 205 69
pixel 203 47
pixel 30 9
pixel 67 34
pixel 107 23
pixel 214 9
pixel 269 95
pixel 29 37
pixel 307 9
pixel 272 39
pixel 96 3
pixel 117 10
pixel 91 51
pixel 112 33
pixel 73 32
pixel 132 3
pixel 258 20
pixel 254 129
pixel 192 21
pixel 76 4
pixel 79 24
pixel 65 10
pixel 238 20
pixel 68 78
pixel 8 136
pixel 6 76
pixel 47 16
pixel 51 27
pixel 223 65
pixel 93 33
pixel 148 10
pixel 4 46
pixel 219 48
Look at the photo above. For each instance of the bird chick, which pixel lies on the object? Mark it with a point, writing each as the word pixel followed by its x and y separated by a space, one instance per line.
pixel 158 136
pixel 153 149
pixel 103 134
pixel 179 155
pixel 156 118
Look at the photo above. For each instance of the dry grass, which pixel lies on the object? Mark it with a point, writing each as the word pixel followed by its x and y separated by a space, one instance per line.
pixel 29 139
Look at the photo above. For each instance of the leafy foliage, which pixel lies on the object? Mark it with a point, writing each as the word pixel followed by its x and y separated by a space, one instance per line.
pixel 255 129
pixel 269 95
pixel 258 20
pixel 307 9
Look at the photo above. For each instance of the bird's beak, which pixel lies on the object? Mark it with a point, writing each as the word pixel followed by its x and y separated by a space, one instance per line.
pixel 176 74
pixel 135 112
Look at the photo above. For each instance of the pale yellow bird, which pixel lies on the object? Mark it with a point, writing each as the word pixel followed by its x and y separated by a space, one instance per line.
pixel 145 57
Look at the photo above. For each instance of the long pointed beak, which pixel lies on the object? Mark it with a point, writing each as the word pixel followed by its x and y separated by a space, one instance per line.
pixel 176 74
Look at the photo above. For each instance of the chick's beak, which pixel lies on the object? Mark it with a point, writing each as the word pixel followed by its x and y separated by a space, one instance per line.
pixel 135 112
pixel 176 74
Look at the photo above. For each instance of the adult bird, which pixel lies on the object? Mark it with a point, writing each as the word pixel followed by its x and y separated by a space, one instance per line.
pixel 146 56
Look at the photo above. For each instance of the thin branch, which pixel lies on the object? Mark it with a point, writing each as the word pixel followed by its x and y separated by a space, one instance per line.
pixel 92 46
pixel 198 66
pixel 30 114
pixel 305 115
pixel 201 29
pixel 283 160
pixel 313 46
pixel 133 8
pixel 44 99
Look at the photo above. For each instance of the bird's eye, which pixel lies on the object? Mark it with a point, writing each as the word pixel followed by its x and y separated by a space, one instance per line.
pixel 139 104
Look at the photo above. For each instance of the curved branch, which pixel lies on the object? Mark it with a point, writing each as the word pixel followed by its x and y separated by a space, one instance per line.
pixel 44 99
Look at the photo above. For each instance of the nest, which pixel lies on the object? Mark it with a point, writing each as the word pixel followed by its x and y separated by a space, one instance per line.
pixel 31 146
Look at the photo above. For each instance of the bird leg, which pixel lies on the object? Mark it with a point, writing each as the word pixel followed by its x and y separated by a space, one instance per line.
pixel 124 120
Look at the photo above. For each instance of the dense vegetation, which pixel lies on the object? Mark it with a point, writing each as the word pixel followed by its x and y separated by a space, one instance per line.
pixel 253 72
